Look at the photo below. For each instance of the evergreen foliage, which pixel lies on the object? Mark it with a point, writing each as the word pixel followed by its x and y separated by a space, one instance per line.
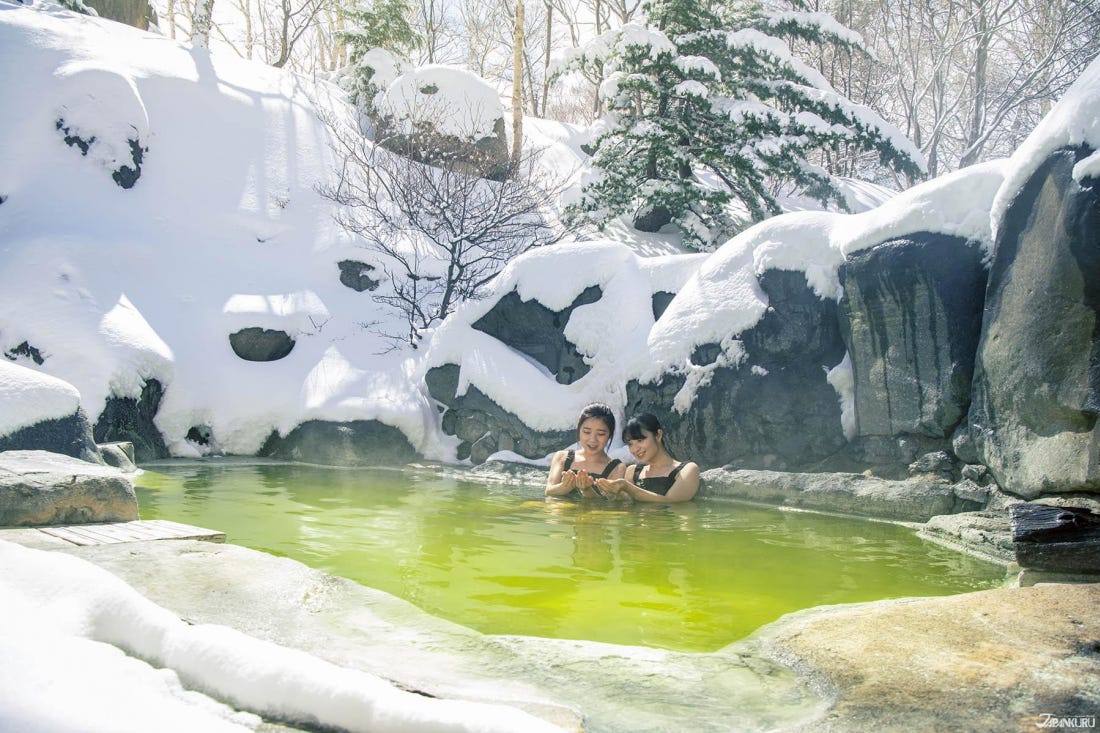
pixel 383 25
pixel 702 123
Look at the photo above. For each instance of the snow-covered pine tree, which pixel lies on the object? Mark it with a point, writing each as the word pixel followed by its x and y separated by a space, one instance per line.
pixel 378 38
pixel 701 121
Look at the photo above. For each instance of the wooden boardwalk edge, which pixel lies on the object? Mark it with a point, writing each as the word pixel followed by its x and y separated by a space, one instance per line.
pixel 135 531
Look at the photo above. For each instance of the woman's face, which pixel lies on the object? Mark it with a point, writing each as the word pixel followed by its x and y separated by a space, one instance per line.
pixel 593 435
pixel 645 448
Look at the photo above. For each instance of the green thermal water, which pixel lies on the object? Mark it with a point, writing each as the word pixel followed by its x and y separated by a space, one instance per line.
pixel 504 561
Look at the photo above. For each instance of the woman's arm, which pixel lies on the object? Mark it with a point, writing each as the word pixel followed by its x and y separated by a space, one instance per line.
pixel 560 481
pixel 610 487
pixel 683 488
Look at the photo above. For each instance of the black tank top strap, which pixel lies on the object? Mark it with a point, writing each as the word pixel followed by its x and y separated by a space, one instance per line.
pixel 569 456
pixel 673 472
pixel 609 467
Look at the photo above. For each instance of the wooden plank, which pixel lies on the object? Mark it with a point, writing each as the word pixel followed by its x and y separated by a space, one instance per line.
pixel 187 531
pixel 78 534
pixel 135 531
pixel 68 535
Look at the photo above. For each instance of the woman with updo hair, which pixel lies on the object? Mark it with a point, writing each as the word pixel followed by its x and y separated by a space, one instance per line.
pixel 578 470
pixel 657 477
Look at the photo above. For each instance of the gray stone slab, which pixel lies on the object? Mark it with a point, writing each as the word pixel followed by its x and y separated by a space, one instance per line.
pixel 41 488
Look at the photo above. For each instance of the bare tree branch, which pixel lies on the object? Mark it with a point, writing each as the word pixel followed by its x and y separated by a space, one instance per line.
pixel 440 229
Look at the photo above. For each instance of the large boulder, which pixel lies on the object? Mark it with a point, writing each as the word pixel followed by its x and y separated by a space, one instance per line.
pixel 70 436
pixel 1037 375
pixel 483 426
pixel 138 13
pixel 911 318
pixel 261 344
pixel 444 116
pixel 533 329
pixel 130 420
pixel 774 409
pixel 1008 659
pixel 41 488
pixel 39 411
pixel 355 443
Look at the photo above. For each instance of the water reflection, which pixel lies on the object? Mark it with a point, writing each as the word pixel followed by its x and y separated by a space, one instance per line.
pixel 690 577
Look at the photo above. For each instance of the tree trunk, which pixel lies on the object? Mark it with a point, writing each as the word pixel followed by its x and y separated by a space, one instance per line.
pixel 200 27
pixel 172 19
pixel 546 58
pixel 517 86
pixel 972 147
pixel 284 37
pixel 249 40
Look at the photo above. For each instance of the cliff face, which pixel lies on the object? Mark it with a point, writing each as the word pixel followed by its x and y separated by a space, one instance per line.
pixel 1035 390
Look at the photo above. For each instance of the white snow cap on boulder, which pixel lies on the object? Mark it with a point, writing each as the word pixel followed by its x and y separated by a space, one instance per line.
pixel 28 397
pixel 1073 121
pixel 454 101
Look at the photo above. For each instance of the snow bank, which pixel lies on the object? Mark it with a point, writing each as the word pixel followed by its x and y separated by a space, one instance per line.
pixel 1073 121
pixel 59 607
pixel 224 229
pixel 296 313
pixel 29 397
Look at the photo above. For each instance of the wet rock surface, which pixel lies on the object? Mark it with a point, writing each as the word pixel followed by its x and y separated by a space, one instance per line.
pixel 1056 539
pixel 911 316
pixel 916 499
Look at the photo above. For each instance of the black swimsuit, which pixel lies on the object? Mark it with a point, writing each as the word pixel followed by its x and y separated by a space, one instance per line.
pixel 570 455
pixel 656 484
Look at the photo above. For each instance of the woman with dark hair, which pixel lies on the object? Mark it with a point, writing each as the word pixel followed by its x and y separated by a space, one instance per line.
pixel 577 470
pixel 657 476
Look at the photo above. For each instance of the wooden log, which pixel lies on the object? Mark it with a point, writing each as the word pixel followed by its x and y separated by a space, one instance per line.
pixel 1056 539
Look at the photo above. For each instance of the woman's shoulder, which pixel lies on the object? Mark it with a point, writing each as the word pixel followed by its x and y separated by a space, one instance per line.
pixel 687 467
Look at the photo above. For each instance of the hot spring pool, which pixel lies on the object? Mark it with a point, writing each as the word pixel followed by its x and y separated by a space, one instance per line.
pixel 502 560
